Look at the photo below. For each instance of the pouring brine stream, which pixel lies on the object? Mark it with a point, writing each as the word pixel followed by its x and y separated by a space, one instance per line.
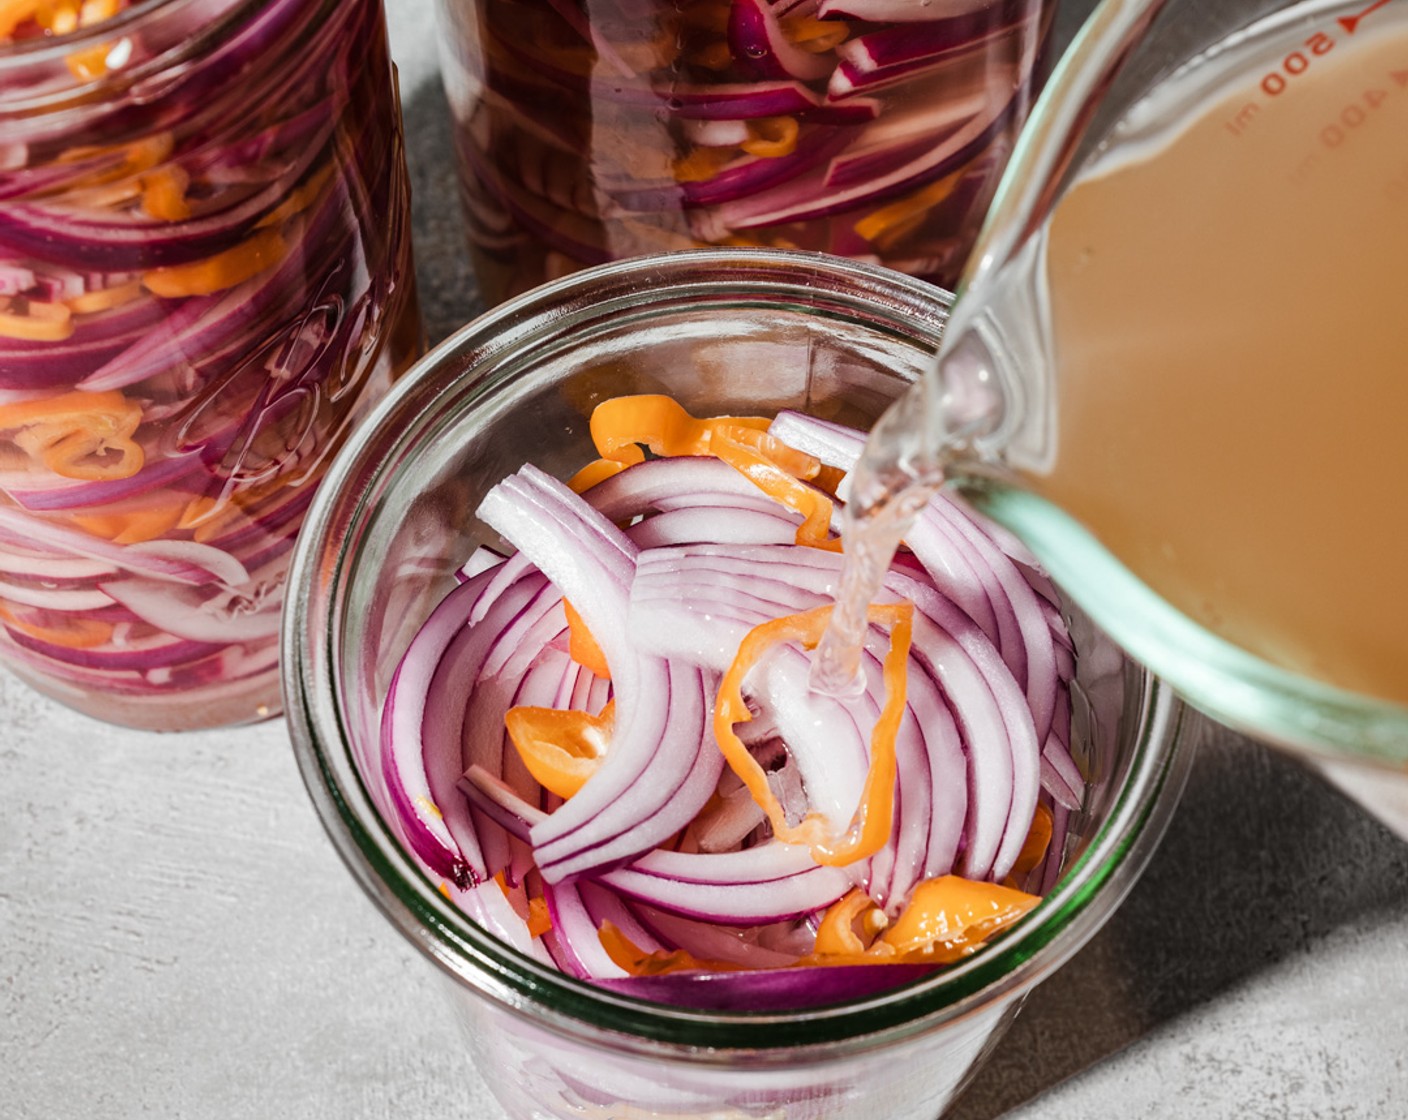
pixel 1221 397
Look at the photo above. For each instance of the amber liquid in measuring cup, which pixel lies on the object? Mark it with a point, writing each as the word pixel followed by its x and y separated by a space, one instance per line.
pixel 1231 346
pixel 1225 339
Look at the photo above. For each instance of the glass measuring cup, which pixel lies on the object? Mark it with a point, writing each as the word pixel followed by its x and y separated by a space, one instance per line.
pixel 1172 366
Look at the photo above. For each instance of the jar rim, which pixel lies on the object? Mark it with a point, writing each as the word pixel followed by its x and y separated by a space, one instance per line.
pixel 475 958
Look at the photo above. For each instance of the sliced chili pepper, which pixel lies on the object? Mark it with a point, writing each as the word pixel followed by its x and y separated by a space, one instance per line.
pixel 892 218
pixel 35 321
pixel 76 632
pixel 635 960
pixel 164 193
pixel 560 748
pixel 132 526
pixel 870 826
pixel 771 137
pixel 581 645
pixel 598 470
pixel 950 916
pixel 1037 842
pixel 78 435
pixel 622 425
pixel 262 250
pixel 783 487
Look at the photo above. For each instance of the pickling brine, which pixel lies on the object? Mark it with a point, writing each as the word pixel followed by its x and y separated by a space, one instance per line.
pixel 1197 358
pixel 1229 344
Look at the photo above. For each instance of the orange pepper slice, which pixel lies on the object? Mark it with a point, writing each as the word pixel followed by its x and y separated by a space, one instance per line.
pixel 300 198
pixel 561 749
pixel 581 645
pixel 712 56
pixel 539 919
pixel 782 486
pixel 85 65
pixel 946 919
pixel 636 961
pixel 892 217
pixel 15 12
pixel 815 35
pixel 78 435
pixel 836 935
pixel 262 250
pixel 598 470
pixel 103 299
pixel 870 826
pixel 164 193
pixel 621 425
pixel 1037 841
pixel 702 164
pixel 75 633
pixel 39 322
pixel 951 916
pixel 133 526
pixel 771 137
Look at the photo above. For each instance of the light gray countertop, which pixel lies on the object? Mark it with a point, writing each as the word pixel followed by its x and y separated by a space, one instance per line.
pixel 177 937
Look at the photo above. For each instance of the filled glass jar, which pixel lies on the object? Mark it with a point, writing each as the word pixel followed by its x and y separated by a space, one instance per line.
pixel 397 709
pixel 872 129
pixel 205 279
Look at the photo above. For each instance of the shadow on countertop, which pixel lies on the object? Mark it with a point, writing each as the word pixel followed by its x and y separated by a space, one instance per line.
pixel 1261 861
pixel 449 297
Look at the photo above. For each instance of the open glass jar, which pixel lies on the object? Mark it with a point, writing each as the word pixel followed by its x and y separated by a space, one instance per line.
pixel 722 330
pixel 205 277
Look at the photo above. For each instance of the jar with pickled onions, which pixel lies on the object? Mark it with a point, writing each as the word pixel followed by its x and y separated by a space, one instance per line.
pixel 870 129
pixel 205 279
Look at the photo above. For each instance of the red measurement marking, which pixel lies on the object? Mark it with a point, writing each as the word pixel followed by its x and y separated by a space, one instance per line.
pixel 1349 23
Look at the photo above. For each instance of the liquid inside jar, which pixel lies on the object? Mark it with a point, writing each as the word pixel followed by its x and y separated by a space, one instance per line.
pixel 873 129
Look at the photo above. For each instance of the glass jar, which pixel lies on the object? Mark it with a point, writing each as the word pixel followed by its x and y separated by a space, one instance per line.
pixel 205 277
pixel 873 129
pixel 385 539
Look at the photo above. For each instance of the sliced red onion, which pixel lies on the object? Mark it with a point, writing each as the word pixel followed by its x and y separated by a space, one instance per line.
pixel 196 564
pixel 843 186
pixel 404 766
pixel 505 613
pixel 905 44
pixel 154 652
pixel 900 11
pixel 80 600
pixel 770 945
pixel 580 949
pixel 711 621
pixel 657 774
pixel 668 600
pixel 762 48
pixel 770 883
pixel 54 493
pixel 124 243
pixel 196 614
